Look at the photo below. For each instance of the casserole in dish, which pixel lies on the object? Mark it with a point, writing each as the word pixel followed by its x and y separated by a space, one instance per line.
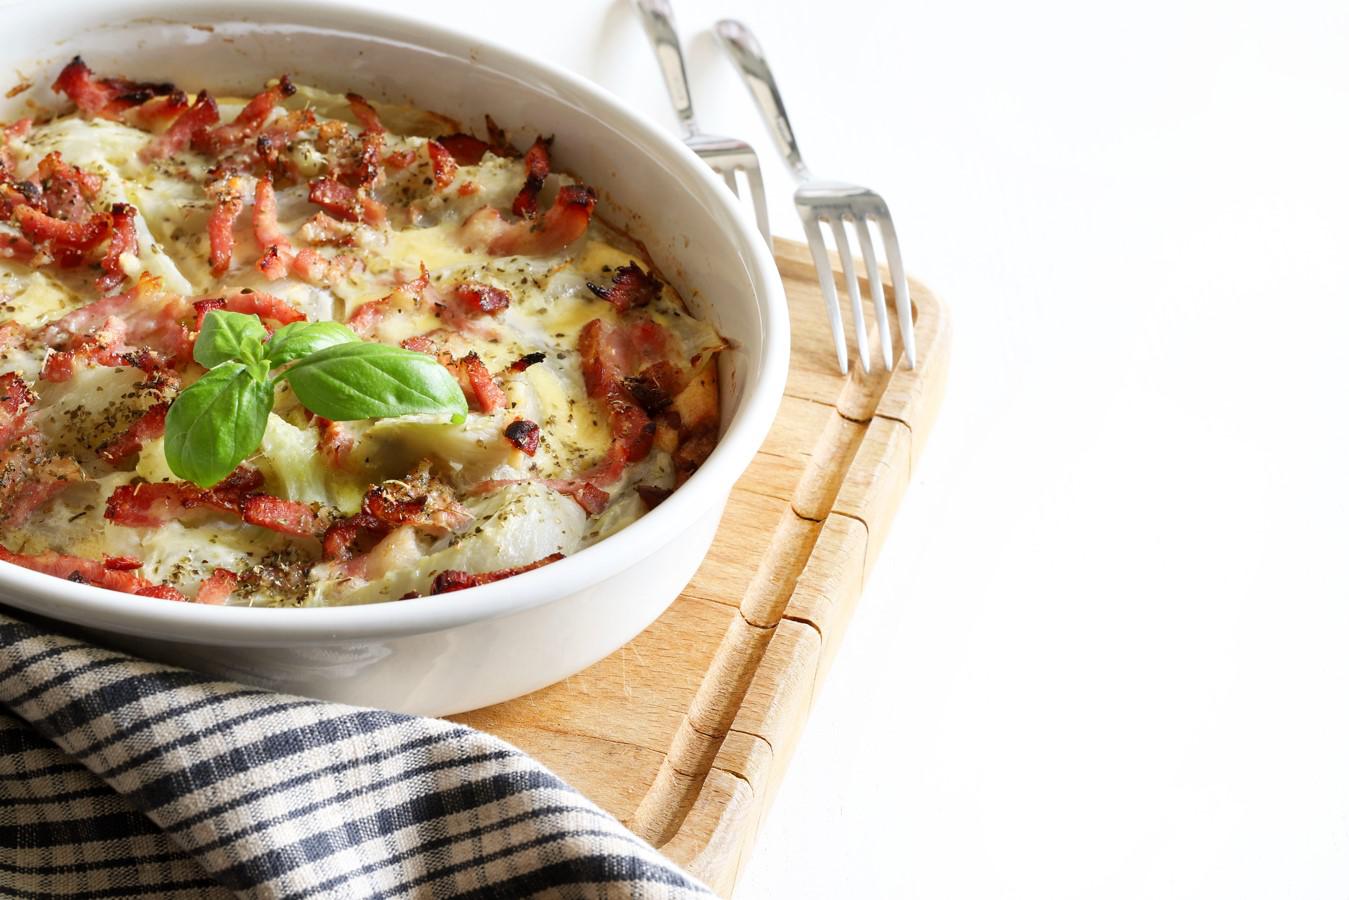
pixel 439 654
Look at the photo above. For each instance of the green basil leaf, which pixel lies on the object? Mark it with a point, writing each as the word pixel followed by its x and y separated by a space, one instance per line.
pixel 299 339
pixel 366 381
pixel 226 336
pixel 216 423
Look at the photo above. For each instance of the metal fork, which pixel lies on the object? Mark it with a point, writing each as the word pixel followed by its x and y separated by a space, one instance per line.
pixel 835 204
pixel 725 155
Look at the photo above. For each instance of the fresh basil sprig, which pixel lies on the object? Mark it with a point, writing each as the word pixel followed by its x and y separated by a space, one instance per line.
pixel 217 422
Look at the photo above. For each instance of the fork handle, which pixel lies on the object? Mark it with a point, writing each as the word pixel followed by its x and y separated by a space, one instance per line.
pixel 658 19
pixel 749 59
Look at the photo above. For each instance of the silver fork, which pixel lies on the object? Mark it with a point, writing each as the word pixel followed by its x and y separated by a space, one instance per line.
pixel 835 204
pixel 725 155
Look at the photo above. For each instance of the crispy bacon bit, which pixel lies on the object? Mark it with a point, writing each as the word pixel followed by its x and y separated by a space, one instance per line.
pixel 122 240
pixel 537 165
pixel 652 496
pixel 401 159
pixel 121 563
pixel 216 589
pixel 157 113
pixel 71 240
pixel 267 307
pixel 286 516
pixel 631 288
pixel 563 224
pixel 321 228
pixel 276 247
pixel 81 571
pixel 15 398
pixel 443 165
pixel 420 500
pixel 529 359
pixel 692 452
pixel 335 198
pixel 456 580
pixel 66 190
pixel 464 149
pixel 106 97
pixel 127 444
pixel 335 441
pixel 247 124
pixel 153 319
pixel 367 317
pixel 343 538
pixel 365 114
pixel 477 382
pixel 148 505
pixel 203 307
pixel 523 435
pixel 479 299
pixel 656 386
pixel 229 202
pixel 185 129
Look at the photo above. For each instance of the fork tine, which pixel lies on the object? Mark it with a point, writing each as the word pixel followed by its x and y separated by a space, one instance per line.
pixel 901 284
pixel 863 228
pixel 815 237
pixel 728 175
pixel 756 190
pixel 850 279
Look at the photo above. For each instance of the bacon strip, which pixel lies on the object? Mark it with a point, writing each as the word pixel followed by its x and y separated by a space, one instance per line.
pixel 523 435
pixel 106 97
pixel 149 505
pixel 563 224
pixel 479 299
pixel 185 129
pixel 217 588
pixel 66 190
pixel 443 165
pixel 464 149
pixel 529 359
pixel 537 166
pixel 476 381
pixel 456 580
pixel 229 203
pixel 149 426
pixel 631 288
pixel 15 398
pixel 267 307
pixel 248 124
pixel 88 571
pixel 286 516
pixel 277 250
pixel 122 240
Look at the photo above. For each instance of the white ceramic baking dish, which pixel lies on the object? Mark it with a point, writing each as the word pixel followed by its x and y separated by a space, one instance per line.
pixel 438 655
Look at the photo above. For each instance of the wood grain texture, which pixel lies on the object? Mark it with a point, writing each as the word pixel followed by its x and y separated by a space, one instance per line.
pixel 684 733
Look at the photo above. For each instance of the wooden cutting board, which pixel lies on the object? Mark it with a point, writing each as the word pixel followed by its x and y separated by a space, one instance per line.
pixel 684 733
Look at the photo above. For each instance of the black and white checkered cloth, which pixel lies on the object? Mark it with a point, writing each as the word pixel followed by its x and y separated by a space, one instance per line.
pixel 123 778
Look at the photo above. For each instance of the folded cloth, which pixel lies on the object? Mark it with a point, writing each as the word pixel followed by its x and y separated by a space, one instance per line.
pixel 125 778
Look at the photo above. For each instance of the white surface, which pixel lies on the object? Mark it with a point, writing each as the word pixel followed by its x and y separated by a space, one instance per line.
pixel 1104 655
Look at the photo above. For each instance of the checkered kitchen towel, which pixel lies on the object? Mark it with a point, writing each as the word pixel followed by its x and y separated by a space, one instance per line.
pixel 123 778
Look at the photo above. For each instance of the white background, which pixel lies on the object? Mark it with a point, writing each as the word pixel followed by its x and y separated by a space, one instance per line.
pixel 1105 652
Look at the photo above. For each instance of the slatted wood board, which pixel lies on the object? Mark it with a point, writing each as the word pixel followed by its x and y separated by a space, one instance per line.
pixel 684 733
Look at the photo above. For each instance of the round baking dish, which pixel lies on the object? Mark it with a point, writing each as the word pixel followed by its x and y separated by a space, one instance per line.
pixel 444 654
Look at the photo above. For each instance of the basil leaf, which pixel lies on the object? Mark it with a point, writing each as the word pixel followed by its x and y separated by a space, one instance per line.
pixel 366 381
pixel 216 423
pixel 226 336
pixel 290 342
